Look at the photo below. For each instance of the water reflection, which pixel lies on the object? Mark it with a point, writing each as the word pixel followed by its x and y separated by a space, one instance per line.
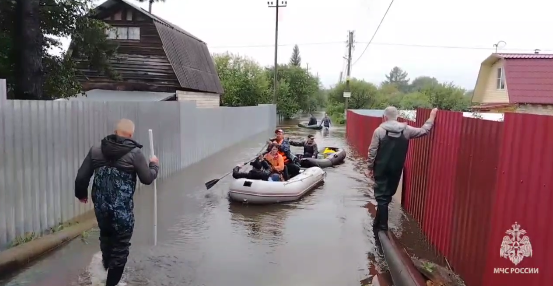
pixel 260 223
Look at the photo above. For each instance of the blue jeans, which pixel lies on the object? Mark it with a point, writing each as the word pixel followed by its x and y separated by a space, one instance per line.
pixel 274 178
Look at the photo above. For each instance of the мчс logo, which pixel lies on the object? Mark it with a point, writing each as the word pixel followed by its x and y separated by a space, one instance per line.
pixel 516 245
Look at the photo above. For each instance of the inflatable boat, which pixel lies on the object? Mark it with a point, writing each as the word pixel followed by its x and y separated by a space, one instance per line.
pixel 265 192
pixel 314 127
pixel 334 157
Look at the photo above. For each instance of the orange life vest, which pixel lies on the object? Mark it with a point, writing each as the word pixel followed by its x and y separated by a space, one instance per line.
pixel 286 160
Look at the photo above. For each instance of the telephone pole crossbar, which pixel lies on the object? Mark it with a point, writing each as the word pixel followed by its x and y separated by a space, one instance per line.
pixel 276 4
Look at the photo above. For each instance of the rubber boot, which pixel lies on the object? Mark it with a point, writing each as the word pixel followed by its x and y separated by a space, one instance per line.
pixel 382 214
pixel 114 276
pixel 376 220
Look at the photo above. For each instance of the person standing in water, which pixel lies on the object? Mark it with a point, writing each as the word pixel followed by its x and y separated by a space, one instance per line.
pixel 387 154
pixel 115 163
pixel 325 122
pixel 312 120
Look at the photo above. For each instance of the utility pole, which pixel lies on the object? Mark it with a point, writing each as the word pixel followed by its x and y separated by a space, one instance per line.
pixel 347 92
pixel 341 75
pixel 276 4
pixel 308 68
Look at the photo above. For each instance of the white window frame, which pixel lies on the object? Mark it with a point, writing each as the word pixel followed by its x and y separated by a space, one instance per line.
pixel 124 33
pixel 500 78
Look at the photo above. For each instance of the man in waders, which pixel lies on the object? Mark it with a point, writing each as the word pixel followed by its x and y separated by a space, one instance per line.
pixel 387 154
pixel 115 162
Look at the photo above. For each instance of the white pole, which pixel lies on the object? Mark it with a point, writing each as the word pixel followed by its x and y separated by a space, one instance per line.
pixel 155 187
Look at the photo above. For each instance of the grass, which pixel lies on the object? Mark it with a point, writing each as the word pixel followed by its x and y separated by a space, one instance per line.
pixel 22 239
pixel 30 236
pixel 61 226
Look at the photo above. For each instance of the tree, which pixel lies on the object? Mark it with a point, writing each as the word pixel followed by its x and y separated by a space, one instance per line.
pixel 415 100
pixel 421 82
pixel 28 42
pixel 398 77
pixel 363 94
pixel 151 3
pixel 244 81
pixel 295 59
pixel 58 19
pixel 447 96
pixel 302 86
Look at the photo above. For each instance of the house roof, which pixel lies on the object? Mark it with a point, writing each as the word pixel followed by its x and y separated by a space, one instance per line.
pixel 118 95
pixel 529 77
pixel 188 55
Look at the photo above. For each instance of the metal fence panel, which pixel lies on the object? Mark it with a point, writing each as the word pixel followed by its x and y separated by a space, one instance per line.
pixel 43 143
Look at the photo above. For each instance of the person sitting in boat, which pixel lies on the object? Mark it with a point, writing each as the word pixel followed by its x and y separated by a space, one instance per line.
pixel 261 170
pixel 291 162
pixel 325 122
pixel 278 168
pixel 312 120
pixel 310 149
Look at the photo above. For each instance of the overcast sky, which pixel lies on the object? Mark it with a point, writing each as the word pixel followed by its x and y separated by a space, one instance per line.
pixel 320 29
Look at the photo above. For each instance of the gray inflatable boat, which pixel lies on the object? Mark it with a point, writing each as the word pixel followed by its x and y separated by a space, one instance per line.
pixel 331 159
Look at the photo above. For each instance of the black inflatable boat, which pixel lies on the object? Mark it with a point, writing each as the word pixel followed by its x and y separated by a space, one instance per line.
pixel 314 127
pixel 332 159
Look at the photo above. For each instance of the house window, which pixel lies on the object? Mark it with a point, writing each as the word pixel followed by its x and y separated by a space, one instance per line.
pixel 129 15
pixel 124 33
pixel 500 78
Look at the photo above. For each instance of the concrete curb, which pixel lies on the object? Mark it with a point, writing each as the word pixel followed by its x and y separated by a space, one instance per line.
pixel 17 257
pixel 402 268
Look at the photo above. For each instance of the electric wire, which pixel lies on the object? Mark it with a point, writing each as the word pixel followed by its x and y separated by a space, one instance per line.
pixel 529 50
pixel 375 32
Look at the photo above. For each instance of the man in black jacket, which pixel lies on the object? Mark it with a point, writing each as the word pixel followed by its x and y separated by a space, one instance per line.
pixel 260 171
pixel 310 149
pixel 115 164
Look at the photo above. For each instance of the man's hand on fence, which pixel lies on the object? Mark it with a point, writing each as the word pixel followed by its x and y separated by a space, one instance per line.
pixel 433 114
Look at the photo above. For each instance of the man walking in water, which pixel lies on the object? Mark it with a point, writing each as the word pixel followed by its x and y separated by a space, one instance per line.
pixel 387 154
pixel 115 164
pixel 325 122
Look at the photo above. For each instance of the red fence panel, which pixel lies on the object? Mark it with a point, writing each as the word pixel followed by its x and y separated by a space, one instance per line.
pixel 523 196
pixel 419 165
pixel 470 181
pixel 440 188
pixel 474 188
pixel 359 131
pixel 407 184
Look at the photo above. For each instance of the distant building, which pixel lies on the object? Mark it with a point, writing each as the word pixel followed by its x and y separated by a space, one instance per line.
pixel 153 56
pixel 521 83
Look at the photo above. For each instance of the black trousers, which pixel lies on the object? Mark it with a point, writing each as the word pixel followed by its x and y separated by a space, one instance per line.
pixel 385 188
pixel 292 169
pixel 115 242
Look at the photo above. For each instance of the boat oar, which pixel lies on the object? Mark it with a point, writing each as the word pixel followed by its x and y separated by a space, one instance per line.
pixel 213 182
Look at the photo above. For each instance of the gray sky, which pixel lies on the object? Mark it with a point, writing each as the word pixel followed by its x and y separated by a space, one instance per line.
pixel 320 29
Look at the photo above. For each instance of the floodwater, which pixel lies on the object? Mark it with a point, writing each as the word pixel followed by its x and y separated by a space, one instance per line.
pixel 323 239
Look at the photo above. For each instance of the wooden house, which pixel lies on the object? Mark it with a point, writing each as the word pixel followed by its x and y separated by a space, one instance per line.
pixel 154 56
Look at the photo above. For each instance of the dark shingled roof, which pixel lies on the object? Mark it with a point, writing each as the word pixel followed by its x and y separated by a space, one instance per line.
pixel 189 56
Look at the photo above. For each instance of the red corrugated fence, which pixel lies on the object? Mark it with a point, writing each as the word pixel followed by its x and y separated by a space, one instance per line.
pixel 476 185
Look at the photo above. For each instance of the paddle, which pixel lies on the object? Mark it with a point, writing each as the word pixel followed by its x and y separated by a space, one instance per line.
pixel 213 182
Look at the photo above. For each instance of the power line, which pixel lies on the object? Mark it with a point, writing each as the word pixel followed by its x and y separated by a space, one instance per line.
pixel 375 32
pixel 382 44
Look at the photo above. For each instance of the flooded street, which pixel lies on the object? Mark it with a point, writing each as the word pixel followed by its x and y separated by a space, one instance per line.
pixel 323 239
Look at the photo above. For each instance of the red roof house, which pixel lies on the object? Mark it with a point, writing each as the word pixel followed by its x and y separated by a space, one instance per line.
pixel 515 83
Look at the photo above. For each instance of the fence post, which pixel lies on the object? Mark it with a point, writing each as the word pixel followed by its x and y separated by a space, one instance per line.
pixel 3 92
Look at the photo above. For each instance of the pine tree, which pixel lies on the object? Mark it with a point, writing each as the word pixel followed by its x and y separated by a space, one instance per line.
pixel 295 60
